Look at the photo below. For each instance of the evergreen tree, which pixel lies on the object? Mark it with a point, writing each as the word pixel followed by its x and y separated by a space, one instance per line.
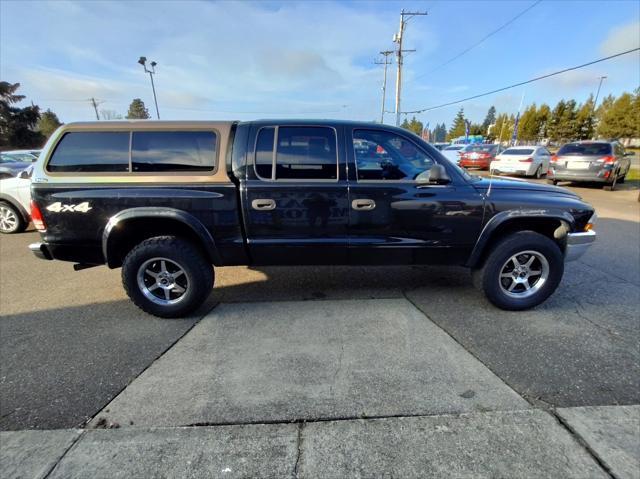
pixel 137 110
pixel 17 125
pixel 528 126
pixel 48 123
pixel 543 117
pixel 458 128
pixel 490 119
pixel 555 126
pixel 585 120
pixel 620 119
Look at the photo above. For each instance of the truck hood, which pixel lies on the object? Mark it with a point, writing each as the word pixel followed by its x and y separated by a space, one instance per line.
pixel 521 185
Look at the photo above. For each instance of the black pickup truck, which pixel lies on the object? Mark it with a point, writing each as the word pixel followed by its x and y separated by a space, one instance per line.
pixel 167 200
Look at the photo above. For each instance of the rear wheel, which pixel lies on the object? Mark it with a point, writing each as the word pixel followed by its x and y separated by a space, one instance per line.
pixel 167 276
pixel 521 271
pixel 552 182
pixel 612 186
pixel 11 220
pixel 538 173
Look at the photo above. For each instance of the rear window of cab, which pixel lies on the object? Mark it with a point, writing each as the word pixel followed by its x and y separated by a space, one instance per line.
pixel 134 151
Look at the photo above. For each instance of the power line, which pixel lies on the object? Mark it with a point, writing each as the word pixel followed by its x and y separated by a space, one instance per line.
pixel 479 42
pixel 523 82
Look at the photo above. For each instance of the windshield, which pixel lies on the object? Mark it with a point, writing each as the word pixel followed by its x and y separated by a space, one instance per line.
pixel 517 151
pixel 586 149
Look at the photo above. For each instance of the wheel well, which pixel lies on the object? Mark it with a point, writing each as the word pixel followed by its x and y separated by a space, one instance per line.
pixel 127 234
pixel 553 228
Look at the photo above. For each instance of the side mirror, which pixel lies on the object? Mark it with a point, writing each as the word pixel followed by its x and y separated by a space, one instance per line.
pixel 438 175
pixel 24 175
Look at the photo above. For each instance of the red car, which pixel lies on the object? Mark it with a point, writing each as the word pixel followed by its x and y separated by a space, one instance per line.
pixel 479 156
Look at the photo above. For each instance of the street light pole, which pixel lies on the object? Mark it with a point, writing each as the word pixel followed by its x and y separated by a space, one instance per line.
pixel 595 102
pixel 143 61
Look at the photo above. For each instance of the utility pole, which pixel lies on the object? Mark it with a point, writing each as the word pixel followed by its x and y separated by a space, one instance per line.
pixel 95 104
pixel 397 38
pixel 386 62
pixel 143 61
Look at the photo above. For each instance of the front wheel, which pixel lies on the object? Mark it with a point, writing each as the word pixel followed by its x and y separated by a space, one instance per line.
pixel 167 276
pixel 521 271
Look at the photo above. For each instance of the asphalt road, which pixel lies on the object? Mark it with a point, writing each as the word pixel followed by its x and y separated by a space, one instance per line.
pixel 71 341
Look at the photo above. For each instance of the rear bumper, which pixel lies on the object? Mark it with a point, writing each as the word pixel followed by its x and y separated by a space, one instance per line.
pixel 40 250
pixel 474 163
pixel 85 254
pixel 578 243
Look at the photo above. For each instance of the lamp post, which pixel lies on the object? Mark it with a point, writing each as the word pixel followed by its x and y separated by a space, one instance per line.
pixel 143 61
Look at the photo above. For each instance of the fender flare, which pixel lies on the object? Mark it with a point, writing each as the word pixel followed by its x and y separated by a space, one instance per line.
pixel 12 201
pixel 193 223
pixel 514 215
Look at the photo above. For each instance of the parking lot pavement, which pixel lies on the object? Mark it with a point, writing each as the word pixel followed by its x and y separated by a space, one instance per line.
pixel 612 433
pixel 530 443
pixel 33 454
pixel 290 361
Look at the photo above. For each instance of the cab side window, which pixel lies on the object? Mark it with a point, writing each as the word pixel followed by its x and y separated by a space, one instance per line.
pixel 306 153
pixel 382 155
pixel 301 153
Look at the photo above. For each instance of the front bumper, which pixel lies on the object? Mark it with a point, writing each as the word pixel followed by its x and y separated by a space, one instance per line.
pixel 578 243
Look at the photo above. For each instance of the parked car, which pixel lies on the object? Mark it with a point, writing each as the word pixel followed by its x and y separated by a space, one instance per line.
pixel 593 161
pixel 440 146
pixel 452 152
pixel 24 155
pixel 166 200
pixel 11 165
pixel 479 155
pixel 15 196
pixel 522 160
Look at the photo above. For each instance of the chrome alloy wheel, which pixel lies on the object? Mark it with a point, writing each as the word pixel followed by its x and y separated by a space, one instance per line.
pixel 524 274
pixel 163 281
pixel 8 220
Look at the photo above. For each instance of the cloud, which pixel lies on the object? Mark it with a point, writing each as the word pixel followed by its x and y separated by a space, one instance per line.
pixel 621 38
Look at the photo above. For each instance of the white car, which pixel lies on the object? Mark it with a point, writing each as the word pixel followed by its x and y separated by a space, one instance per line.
pixel 522 160
pixel 452 152
pixel 15 199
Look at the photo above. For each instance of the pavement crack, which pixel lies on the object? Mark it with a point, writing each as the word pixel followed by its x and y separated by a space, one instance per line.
pixel 579 310
pixel 296 468
pixel 576 435
pixel 64 453
pixel 339 368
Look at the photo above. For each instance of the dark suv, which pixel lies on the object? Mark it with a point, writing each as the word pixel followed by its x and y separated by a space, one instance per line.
pixel 590 161
pixel 166 200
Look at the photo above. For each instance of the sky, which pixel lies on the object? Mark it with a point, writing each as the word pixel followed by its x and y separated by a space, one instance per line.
pixel 313 59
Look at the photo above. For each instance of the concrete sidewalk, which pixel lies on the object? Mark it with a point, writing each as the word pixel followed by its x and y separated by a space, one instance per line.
pixel 598 442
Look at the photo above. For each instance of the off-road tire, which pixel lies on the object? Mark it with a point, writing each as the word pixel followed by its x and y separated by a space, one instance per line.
pixel 487 277
pixel 197 269
pixel 19 224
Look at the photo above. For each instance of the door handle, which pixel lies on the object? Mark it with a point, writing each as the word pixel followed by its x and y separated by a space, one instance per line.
pixel 263 204
pixel 363 205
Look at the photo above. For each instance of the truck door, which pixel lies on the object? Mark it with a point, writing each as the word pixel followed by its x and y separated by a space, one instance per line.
pixel 295 195
pixel 398 218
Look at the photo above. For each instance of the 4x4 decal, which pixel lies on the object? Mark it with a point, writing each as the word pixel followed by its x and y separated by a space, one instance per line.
pixel 58 207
